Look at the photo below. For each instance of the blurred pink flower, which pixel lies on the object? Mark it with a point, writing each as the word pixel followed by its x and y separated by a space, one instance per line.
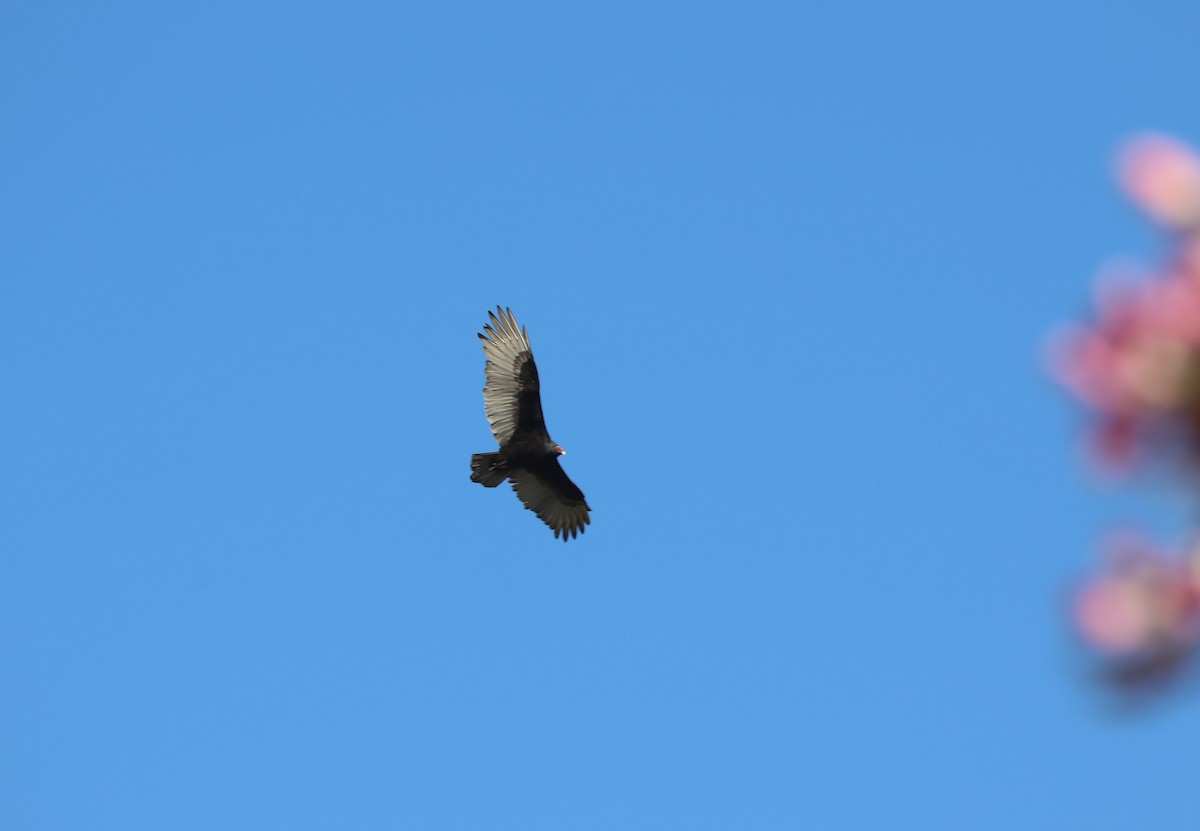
pixel 1138 365
pixel 1143 602
pixel 1162 176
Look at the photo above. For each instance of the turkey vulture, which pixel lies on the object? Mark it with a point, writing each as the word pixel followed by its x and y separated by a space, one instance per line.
pixel 528 457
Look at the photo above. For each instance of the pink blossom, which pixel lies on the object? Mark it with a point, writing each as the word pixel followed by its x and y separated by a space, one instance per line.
pixel 1162 176
pixel 1142 602
pixel 1138 365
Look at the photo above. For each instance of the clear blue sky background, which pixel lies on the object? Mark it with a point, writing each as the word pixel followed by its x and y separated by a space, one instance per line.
pixel 787 269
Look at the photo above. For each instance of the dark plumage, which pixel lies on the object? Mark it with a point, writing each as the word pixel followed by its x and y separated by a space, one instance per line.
pixel 528 457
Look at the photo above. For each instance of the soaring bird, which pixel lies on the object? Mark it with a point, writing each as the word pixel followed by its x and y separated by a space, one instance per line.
pixel 528 457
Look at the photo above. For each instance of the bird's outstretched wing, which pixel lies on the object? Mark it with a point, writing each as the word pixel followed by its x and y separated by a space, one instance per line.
pixel 511 394
pixel 548 492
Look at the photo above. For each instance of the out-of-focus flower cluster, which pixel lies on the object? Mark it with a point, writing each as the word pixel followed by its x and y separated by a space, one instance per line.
pixel 1136 367
pixel 1141 612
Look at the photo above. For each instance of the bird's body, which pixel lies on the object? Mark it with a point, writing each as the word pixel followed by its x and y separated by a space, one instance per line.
pixel 528 457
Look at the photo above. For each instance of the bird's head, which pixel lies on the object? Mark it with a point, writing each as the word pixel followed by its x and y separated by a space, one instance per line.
pixel 558 451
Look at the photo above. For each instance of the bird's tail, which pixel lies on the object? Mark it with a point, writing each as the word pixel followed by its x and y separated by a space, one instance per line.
pixel 487 469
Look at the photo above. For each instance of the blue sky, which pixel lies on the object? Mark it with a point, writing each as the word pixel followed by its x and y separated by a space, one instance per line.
pixel 787 270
